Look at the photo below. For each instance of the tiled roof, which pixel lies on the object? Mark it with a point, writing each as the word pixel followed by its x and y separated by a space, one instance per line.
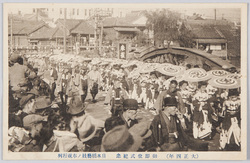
pixel 210 29
pixel 126 21
pixel 25 27
pixel 43 33
pixel 84 28
pixel 48 33
pixel 127 29
pixel 70 23
pixel 206 33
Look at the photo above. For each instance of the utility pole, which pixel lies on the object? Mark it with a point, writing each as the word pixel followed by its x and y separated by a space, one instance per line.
pixel 95 28
pixel 64 36
pixel 11 33
pixel 100 43
pixel 214 14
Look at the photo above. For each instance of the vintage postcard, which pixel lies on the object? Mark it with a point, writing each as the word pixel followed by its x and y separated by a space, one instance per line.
pixel 125 81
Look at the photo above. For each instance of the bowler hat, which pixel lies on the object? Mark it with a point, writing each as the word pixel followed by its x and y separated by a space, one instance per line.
pixel 169 101
pixel 14 57
pixel 120 139
pixel 130 104
pixel 233 92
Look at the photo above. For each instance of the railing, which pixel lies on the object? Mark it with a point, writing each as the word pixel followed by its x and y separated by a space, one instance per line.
pixel 220 53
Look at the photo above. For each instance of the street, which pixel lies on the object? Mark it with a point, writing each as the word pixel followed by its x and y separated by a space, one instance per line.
pixel 100 111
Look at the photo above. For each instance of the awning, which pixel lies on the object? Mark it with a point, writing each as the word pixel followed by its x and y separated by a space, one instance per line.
pixel 126 29
pixel 211 41
pixel 33 40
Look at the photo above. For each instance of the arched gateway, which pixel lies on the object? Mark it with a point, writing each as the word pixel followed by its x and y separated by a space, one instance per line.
pixel 179 55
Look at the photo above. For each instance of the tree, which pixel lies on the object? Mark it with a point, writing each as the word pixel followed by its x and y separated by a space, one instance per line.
pixel 141 39
pixel 185 37
pixel 164 24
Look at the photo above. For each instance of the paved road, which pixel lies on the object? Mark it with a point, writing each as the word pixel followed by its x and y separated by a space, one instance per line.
pixel 100 111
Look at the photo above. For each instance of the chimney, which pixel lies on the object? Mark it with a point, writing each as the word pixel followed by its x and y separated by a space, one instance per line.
pixel 214 14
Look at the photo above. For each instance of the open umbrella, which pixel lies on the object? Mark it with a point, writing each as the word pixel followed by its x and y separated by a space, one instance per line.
pixel 147 68
pixel 134 74
pixel 196 75
pixel 128 64
pixel 218 73
pixel 224 82
pixel 234 76
pixel 171 70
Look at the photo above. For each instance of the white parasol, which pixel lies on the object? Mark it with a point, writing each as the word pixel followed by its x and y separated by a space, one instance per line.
pixel 171 70
pixel 196 75
pixel 224 82
pixel 218 73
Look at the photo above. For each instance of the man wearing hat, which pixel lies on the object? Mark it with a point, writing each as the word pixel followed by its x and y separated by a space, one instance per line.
pixel 128 115
pixel 34 124
pixel 85 126
pixel 167 132
pixel 172 92
pixel 44 139
pixel 115 96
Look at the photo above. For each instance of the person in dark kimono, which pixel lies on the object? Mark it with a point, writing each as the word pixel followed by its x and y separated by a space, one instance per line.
pixel 230 136
pixel 167 131
pixel 84 84
pixel 115 96
pixel 202 116
pixel 171 92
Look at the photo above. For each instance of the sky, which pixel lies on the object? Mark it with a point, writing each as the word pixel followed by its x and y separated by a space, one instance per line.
pixel 232 14
pixel 229 14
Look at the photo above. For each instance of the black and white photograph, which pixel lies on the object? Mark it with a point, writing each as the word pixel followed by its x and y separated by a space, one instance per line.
pixel 99 79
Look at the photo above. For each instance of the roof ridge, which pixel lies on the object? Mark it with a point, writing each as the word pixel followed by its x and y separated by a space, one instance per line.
pixel 80 22
pixel 55 30
pixel 219 32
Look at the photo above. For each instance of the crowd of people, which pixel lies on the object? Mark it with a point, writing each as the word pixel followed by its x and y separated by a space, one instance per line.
pixel 47 105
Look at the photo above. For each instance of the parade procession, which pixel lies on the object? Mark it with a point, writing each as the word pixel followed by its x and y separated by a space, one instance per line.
pixel 167 98
pixel 67 102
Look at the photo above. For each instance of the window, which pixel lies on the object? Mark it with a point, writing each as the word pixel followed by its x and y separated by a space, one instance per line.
pixel 52 9
pixel 34 10
pixel 77 11
pixel 60 11
pixel 73 11
pixel 85 12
